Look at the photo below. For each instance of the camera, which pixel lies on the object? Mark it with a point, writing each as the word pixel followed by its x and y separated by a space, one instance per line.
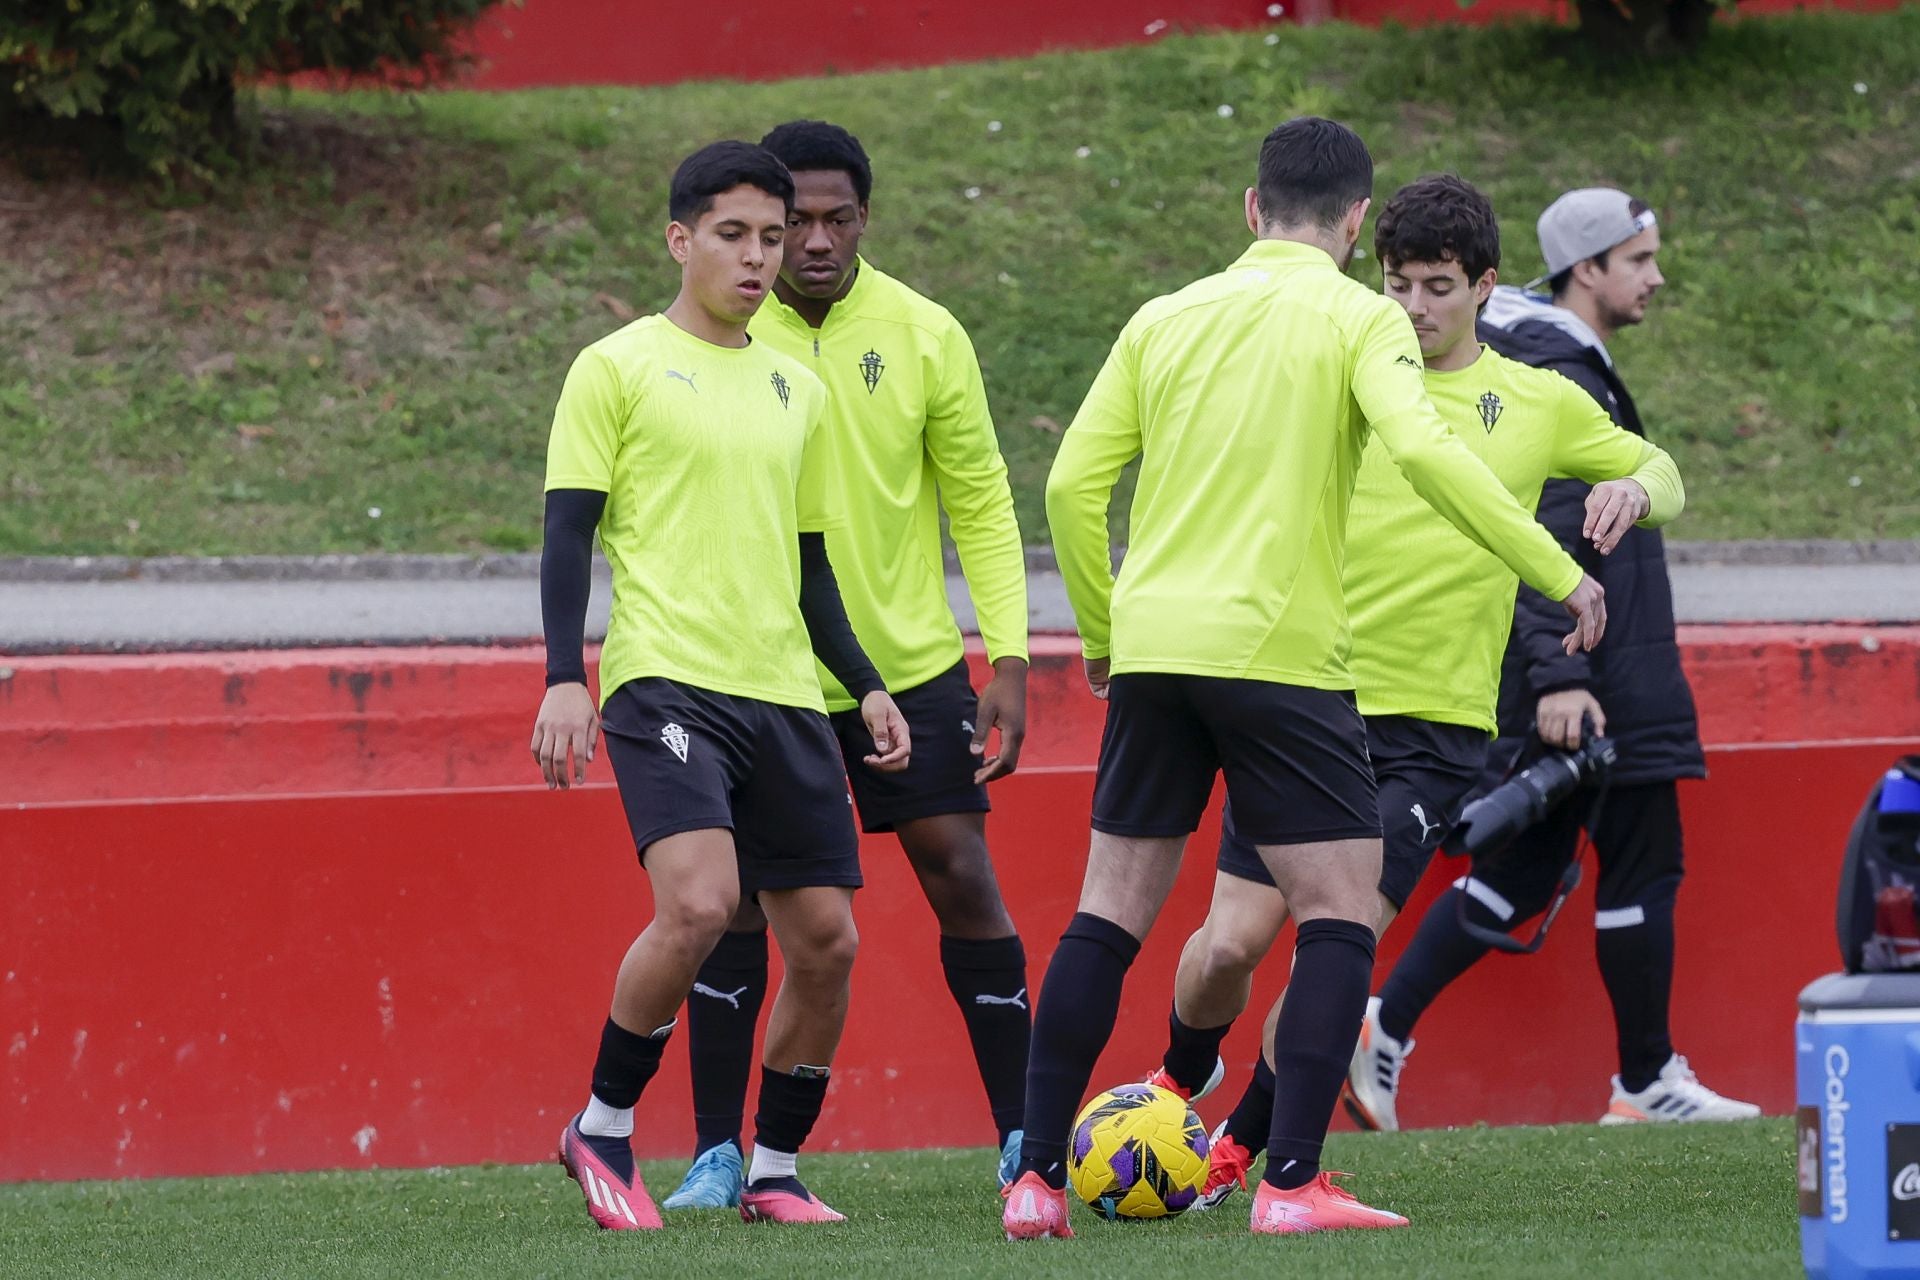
pixel 1490 823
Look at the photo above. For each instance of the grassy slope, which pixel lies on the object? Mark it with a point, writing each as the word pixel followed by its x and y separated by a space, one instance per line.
pixel 381 319
pixel 1701 1202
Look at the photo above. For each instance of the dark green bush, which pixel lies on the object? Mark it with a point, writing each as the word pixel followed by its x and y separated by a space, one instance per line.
pixel 153 82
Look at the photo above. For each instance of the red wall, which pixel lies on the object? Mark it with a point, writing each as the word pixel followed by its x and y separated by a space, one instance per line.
pixel 559 42
pixel 407 965
pixel 413 978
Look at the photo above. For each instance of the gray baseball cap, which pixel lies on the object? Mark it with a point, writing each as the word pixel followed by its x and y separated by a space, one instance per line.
pixel 1588 221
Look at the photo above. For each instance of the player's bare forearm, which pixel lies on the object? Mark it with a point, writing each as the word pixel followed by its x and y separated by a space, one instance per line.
pixel 1003 706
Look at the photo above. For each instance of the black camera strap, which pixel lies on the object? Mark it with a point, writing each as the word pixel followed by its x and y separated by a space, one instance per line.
pixel 1500 940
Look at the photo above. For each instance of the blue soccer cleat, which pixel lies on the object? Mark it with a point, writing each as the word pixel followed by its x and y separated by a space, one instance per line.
pixel 713 1182
pixel 1010 1157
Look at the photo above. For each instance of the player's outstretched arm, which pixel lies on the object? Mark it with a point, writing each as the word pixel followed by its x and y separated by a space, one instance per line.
pixel 1389 385
pixel 1104 437
pixel 568 723
pixel 1634 481
pixel 840 653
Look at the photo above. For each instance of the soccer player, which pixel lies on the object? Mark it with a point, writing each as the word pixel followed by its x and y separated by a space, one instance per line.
pixel 685 444
pixel 1602 253
pixel 1222 646
pixel 907 430
pixel 1430 614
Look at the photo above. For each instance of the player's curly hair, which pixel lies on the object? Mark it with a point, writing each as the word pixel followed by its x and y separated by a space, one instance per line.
pixel 1441 218
pixel 815 145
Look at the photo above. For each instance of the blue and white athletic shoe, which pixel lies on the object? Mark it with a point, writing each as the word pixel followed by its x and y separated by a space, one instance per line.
pixel 1010 1157
pixel 713 1182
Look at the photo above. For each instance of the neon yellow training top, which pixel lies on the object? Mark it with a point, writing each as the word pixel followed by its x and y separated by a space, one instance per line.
pixel 908 429
pixel 1431 610
pixel 699 450
pixel 1248 395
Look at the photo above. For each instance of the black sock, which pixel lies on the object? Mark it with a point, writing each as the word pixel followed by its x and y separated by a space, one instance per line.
pixel 1251 1121
pixel 1319 1023
pixel 722 1012
pixel 1636 963
pixel 628 1059
pixel 1440 952
pixel 988 979
pixel 1192 1052
pixel 790 1103
pixel 1079 1002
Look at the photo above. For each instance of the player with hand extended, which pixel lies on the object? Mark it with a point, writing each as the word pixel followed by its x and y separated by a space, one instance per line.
pixel 1430 613
pixel 1221 646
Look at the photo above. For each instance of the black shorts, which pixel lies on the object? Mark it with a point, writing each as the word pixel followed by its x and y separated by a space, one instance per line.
pixel 939 776
pixel 1425 770
pixel 1295 759
pixel 689 759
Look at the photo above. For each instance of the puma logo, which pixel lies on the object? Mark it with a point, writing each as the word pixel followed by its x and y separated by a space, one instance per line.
pixel 1018 999
pixel 1426 828
pixel 684 377
pixel 732 998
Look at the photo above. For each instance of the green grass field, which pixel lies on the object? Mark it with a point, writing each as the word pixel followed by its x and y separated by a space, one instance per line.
pixel 381 317
pixel 1699 1202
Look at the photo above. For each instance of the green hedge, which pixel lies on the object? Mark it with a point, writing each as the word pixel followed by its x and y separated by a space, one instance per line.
pixel 151 82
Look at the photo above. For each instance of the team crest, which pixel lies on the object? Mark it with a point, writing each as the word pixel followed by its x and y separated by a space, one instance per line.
pixel 871 367
pixel 780 387
pixel 673 735
pixel 1490 409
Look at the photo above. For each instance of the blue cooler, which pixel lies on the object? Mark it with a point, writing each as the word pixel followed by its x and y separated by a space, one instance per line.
pixel 1857 1073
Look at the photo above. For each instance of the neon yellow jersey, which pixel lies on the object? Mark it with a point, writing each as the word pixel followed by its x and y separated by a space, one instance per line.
pixel 907 430
pixel 1248 396
pixel 703 453
pixel 1431 610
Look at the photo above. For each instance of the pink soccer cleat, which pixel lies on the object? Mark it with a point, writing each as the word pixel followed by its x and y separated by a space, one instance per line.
pixel 613 1203
pixel 1034 1210
pixel 785 1204
pixel 1318 1206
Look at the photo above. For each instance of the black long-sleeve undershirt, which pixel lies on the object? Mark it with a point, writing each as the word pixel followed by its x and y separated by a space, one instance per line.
pixel 566 579
pixel 566 569
pixel 832 635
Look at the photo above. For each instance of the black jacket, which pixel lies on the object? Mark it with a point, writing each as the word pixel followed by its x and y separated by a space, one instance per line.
pixel 1635 671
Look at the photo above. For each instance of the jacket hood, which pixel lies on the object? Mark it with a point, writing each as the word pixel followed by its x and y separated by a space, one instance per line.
pixel 1537 330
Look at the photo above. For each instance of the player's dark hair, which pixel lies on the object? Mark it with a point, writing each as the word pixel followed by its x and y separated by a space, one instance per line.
pixel 1557 285
pixel 1439 219
pixel 1312 171
pixel 816 145
pixel 722 166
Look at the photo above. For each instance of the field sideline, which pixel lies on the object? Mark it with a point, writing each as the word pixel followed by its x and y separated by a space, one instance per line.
pixel 1699 1201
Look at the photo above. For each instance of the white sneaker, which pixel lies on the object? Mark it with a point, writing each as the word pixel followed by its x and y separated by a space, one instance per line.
pixel 1675 1095
pixel 1373 1078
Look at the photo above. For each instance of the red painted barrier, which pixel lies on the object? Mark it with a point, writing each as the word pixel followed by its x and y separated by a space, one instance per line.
pixel 150 726
pixel 376 973
pixel 565 42
pixel 218 986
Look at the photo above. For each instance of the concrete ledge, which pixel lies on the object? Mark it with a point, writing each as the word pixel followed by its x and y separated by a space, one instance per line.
pixel 466 568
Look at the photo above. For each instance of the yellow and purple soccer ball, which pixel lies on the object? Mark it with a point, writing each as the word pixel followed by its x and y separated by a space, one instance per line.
pixel 1138 1151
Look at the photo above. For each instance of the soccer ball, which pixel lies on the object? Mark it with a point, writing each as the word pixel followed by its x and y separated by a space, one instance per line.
pixel 1138 1152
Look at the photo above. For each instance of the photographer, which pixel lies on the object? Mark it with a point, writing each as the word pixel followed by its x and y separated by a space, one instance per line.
pixel 1601 251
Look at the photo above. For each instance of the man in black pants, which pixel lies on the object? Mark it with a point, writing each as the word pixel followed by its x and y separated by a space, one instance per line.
pixel 1601 249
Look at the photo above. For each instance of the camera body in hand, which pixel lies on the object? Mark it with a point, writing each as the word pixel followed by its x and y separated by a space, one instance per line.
pixel 1490 823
